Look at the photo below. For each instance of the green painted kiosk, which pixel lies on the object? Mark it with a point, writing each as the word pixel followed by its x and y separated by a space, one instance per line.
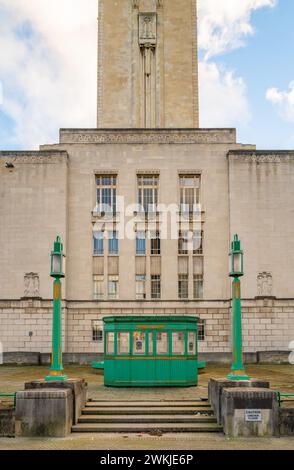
pixel 143 351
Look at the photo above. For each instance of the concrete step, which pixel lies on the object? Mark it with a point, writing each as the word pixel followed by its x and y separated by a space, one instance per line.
pixel 146 427
pixel 147 403
pixel 133 410
pixel 139 418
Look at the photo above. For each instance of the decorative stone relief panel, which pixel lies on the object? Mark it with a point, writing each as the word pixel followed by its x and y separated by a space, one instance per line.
pixel 147 29
pixel 265 284
pixel 31 285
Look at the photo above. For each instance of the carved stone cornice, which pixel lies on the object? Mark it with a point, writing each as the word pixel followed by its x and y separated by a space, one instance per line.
pixel 262 156
pixel 34 157
pixel 147 136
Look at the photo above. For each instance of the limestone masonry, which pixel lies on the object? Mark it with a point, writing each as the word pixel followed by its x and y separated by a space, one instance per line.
pixel 149 151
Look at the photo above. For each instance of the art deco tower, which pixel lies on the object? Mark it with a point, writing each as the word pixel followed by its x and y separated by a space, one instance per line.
pixel 147 64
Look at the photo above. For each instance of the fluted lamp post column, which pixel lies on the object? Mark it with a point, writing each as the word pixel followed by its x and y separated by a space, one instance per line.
pixel 237 271
pixel 57 272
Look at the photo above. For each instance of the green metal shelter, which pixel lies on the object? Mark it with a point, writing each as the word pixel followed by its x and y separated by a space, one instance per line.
pixel 148 351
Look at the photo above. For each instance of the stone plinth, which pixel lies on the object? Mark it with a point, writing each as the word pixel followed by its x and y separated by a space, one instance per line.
pixel 216 386
pixel 78 387
pixel 250 412
pixel 286 420
pixel 44 413
pixel 7 422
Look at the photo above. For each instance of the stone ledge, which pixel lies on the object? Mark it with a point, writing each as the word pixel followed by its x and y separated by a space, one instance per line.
pixel 148 136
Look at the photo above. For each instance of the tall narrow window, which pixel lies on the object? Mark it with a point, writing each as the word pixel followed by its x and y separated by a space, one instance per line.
pixel 155 243
pixel 112 243
pixel 198 242
pixel 183 242
pixel 106 193
pixel 198 286
pixel 140 287
pixel 98 288
pixel 148 192
pixel 98 242
pixel 113 287
pixel 201 330
pixel 141 243
pixel 189 193
pixel 155 287
pixel 183 286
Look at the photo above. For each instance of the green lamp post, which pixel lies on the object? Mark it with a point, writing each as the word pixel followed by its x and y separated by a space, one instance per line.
pixel 56 370
pixel 236 271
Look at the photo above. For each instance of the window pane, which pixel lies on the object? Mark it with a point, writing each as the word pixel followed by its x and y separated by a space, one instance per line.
pixel 113 287
pixel 155 287
pixel 141 287
pixel 198 286
pixel 98 243
pixel 110 342
pixel 201 330
pixel 150 339
pixel 97 332
pixel 98 288
pixel 155 245
pixel 191 342
pixel 183 286
pixel 162 343
pixel 140 243
pixel 178 343
pixel 123 343
pixel 113 243
pixel 139 343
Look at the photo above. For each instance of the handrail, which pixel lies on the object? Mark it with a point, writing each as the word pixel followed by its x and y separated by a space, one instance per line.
pixel 284 395
pixel 10 395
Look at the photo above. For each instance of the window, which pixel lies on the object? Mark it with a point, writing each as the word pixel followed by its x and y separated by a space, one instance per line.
pixel 155 244
pixel 97 332
pixel 140 243
pixel 98 239
pixel 198 286
pixel 201 330
pixel 123 343
pixel 113 287
pixel 113 243
pixel 183 242
pixel 139 342
pixel 110 342
pixel 198 242
pixel 183 286
pixel 189 193
pixel 148 192
pixel 191 342
pixel 106 193
pixel 178 343
pixel 162 343
pixel 150 345
pixel 98 288
pixel 155 287
pixel 140 287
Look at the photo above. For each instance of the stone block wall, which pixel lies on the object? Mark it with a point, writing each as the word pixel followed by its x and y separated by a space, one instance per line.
pixel 25 326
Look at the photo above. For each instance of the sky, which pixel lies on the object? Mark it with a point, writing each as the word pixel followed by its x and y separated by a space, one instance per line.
pixel 48 60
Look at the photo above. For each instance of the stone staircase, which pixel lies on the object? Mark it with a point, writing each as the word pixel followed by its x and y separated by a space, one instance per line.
pixel 147 417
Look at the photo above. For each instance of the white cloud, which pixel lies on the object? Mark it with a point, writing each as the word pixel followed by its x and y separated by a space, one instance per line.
pixel 283 101
pixel 223 97
pixel 48 51
pixel 223 24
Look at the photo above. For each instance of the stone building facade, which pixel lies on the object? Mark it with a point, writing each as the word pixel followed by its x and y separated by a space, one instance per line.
pixel 147 153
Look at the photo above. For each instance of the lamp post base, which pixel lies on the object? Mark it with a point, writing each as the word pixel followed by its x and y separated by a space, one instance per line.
pixel 55 378
pixel 238 375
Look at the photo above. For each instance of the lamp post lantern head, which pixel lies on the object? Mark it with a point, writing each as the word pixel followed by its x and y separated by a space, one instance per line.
pixel 57 256
pixel 236 258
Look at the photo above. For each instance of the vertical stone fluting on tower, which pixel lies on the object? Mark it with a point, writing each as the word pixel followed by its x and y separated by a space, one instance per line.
pixel 147 64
